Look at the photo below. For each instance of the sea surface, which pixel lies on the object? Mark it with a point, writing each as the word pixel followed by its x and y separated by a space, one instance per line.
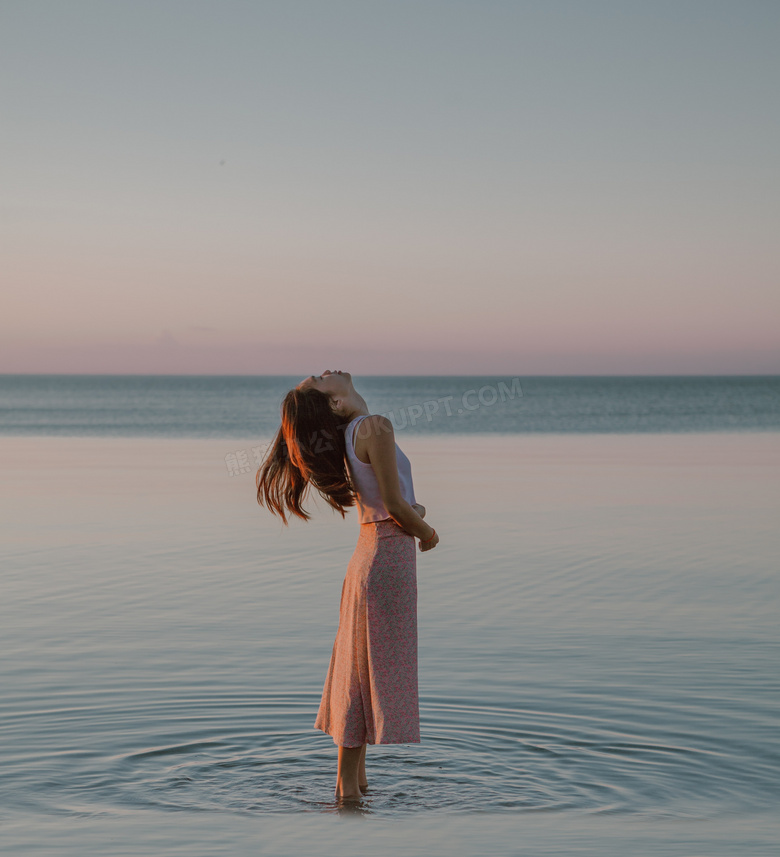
pixel 599 636
pixel 248 406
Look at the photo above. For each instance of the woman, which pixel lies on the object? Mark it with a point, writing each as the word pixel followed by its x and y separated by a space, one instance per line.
pixel 328 439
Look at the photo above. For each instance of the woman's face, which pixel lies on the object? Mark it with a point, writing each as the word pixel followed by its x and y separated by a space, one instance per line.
pixel 334 384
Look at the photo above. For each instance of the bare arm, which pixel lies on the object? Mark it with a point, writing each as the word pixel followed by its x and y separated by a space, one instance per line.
pixel 380 446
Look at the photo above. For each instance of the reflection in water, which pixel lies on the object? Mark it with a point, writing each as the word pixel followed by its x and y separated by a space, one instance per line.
pixel 352 808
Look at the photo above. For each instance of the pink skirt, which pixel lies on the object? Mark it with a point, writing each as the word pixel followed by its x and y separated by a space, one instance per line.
pixel 370 693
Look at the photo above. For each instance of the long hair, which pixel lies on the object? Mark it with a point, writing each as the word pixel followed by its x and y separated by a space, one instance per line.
pixel 308 449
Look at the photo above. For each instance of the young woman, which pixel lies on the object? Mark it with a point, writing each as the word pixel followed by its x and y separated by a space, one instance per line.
pixel 329 440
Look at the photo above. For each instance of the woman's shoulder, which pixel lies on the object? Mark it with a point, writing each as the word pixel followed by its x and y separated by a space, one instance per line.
pixel 375 425
pixel 368 437
pixel 376 435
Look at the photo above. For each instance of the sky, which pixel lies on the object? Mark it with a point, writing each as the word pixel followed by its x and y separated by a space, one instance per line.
pixel 390 187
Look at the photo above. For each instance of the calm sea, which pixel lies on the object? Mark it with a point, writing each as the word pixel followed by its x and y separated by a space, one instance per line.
pixel 246 406
pixel 599 640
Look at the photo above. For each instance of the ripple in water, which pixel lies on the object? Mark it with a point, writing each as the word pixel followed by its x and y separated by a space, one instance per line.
pixel 259 754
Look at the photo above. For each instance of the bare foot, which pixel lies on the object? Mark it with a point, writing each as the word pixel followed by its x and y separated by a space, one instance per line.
pixel 349 798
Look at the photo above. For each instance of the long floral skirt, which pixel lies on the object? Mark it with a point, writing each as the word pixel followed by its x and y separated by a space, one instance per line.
pixel 370 693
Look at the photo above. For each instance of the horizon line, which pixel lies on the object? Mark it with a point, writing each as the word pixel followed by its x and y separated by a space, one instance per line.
pixel 395 375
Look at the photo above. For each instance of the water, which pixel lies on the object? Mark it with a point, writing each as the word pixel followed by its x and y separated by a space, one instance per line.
pixel 598 643
pixel 246 406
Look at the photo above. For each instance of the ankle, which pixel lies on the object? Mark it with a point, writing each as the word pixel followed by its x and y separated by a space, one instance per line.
pixel 347 787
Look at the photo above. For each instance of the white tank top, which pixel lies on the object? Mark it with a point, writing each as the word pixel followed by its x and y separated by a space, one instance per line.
pixel 369 499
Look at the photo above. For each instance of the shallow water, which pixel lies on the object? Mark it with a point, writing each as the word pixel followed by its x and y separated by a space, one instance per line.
pixel 598 640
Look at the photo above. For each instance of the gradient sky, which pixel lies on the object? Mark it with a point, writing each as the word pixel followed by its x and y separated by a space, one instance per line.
pixel 390 187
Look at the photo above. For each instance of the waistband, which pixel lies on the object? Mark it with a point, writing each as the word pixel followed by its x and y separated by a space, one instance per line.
pixel 387 527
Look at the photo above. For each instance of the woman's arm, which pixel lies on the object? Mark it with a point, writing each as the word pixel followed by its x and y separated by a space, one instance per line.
pixel 380 446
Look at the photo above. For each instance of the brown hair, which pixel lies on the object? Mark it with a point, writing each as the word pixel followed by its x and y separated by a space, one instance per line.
pixel 308 449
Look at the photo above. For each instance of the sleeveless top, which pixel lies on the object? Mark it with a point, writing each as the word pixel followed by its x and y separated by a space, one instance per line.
pixel 369 499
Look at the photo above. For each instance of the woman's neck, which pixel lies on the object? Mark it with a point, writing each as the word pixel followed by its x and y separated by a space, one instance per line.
pixel 355 407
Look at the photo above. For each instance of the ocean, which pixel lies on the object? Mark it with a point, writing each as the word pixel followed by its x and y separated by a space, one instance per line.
pixel 598 627
pixel 248 406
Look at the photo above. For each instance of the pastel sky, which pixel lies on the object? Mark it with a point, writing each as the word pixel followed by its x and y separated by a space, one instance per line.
pixel 390 187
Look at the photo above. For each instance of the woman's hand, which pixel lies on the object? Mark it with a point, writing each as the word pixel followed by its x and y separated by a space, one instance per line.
pixel 431 543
